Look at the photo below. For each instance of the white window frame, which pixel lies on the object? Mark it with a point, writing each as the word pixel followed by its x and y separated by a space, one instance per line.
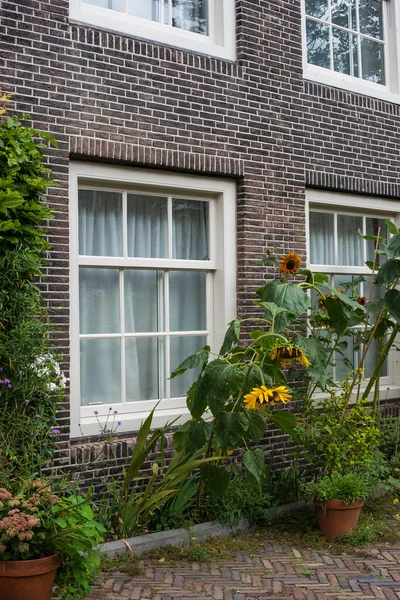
pixel 221 41
pixel 351 204
pixel 221 268
pixel 389 92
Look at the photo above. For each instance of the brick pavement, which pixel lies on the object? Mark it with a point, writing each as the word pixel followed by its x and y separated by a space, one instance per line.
pixel 274 573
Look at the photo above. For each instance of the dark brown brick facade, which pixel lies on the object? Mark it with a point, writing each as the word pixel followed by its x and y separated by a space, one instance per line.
pixel 115 99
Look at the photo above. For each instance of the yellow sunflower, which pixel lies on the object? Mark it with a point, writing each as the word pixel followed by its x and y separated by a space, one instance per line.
pixel 290 263
pixel 288 353
pixel 262 395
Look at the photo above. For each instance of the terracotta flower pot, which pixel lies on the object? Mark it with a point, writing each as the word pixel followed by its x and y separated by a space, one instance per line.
pixel 335 518
pixel 25 579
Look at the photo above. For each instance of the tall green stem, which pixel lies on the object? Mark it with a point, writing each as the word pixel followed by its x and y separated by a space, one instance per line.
pixel 381 360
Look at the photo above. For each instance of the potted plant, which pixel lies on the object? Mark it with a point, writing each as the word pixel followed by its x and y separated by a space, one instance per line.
pixel 42 532
pixel 338 499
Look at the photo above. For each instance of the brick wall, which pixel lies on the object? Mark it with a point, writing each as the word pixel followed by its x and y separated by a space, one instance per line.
pixel 111 98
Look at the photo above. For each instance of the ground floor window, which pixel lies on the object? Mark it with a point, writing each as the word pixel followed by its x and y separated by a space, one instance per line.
pixel 336 224
pixel 150 281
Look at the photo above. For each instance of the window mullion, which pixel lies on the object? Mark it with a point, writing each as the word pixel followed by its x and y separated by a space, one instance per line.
pixel 169 228
pixel 335 239
pixel 167 339
pixel 330 36
pixel 170 13
pixel 360 74
pixel 125 224
pixel 122 328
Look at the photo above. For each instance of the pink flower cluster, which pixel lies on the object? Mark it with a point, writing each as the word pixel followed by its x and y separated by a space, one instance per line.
pixel 17 525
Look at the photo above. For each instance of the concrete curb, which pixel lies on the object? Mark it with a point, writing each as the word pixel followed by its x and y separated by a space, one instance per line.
pixel 181 537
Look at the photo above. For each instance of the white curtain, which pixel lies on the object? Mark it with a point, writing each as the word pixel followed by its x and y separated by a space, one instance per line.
pixel 350 253
pixel 100 234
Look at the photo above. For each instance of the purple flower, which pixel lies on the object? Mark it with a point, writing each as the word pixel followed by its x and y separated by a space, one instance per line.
pixel 27 402
pixel 1 369
pixel 54 432
pixel 106 431
pixel 133 441
pixel 44 444
pixel 38 416
pixel 119 423
pixel 95 412
pixel 110 408
pixel 101 432
pixel 9 386
pixel 6 380
pixel 115 412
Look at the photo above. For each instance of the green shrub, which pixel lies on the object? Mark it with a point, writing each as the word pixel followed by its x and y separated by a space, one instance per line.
pixel 244 498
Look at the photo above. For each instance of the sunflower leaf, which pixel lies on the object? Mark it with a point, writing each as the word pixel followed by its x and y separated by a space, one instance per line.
pixel 285 421
pixel 231 336
pixel 393 246
pixel 391 227
pixel 288 296
pixel 253 460
pixel 197 359
pixel 230 428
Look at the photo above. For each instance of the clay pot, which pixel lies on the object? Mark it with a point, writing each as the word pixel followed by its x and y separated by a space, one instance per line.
pixel 23 579
pixel 335 518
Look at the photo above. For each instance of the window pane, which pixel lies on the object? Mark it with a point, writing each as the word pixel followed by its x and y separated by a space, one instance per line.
pixel 317 8
pixel 373 61
pixel 371 359
pixel 346 284
pixel 146 9
pixel 345 363
pixel 350 243
pixel 373 227
pixel 144 301
pixel 101 371
pixel 100 223
pixel 142 358
pixel 322 239
pixel 181 347
pixel 99 300
pixel 147 226
pixel 318 52
pixel 371 21
pixel 342 50
pixel 191 15
pixel 111 4
pixel 187 298
pixel 344 13
pixel 190 233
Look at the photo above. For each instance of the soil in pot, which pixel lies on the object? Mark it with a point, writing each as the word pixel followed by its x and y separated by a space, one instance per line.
pixel 28 579
pixel 335 518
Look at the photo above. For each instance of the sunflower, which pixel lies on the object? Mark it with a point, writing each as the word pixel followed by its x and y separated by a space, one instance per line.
pixel 290 263
pixel 288 353
pixel 262 396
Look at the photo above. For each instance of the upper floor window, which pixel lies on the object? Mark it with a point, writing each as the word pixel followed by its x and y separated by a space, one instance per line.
pixel 206 26
pixel 349 43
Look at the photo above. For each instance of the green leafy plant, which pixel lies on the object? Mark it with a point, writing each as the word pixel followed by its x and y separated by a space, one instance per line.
pixel 35 522
pixel 336 436
pixel 347 487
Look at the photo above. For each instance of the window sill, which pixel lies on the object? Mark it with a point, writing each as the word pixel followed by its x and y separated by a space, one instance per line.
pixel 131 422
pixel 122 24
pixel 390 391
pixel 350 84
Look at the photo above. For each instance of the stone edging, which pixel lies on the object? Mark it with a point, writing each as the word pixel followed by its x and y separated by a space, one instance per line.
pixel 180 537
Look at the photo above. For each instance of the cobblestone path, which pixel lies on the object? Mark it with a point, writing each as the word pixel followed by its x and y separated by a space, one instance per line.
pixel 275 573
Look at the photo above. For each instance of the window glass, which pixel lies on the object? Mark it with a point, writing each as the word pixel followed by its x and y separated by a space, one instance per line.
pixel 187 300
pixel 144 301
pixel 191 15
pixel 190 231
pixel 181 347
pixel 147 226
pixel 347 36
pixel 130 312
pixel 350 242
pixel 100 371
pixel 99 300
pixel 143 357
pixel 100 223
pixel 322 250
pixel 110 4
